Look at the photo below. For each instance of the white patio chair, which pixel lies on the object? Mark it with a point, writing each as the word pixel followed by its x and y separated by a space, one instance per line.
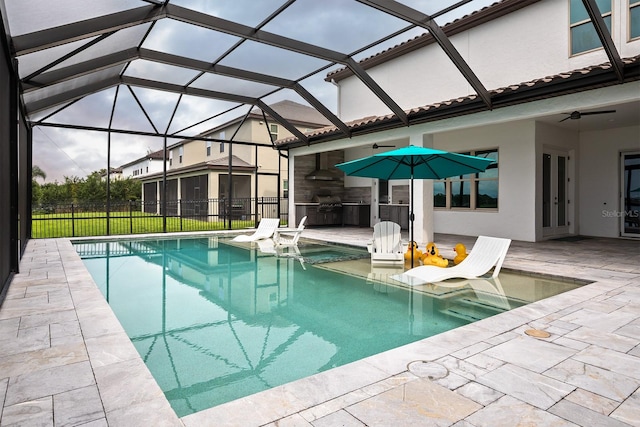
pixel 487 252
pixel 289 236
pixel 265 230
pixel 386 246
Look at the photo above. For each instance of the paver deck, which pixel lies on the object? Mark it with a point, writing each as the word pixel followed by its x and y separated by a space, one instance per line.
pixel 65 359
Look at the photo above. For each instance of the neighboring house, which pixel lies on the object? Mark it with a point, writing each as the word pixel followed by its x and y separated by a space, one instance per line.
pixel 198 170
pixel 146 165
pixel 556 173
pixel 115 174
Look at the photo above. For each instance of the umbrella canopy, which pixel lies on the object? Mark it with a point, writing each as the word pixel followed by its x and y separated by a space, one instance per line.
pixel 414 162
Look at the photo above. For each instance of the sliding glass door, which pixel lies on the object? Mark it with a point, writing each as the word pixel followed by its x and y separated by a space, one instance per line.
pixel 630 203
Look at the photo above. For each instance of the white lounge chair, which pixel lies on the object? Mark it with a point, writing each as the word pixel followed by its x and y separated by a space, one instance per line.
pixel 265 230
pixel 386 247
pixel 289 236
pixel 486 253
pixel 267 246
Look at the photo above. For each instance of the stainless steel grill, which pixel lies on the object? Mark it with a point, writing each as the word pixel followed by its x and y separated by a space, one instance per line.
pixel 327 203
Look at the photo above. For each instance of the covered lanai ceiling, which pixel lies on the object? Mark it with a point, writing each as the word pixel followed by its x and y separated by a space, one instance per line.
pixel 186 64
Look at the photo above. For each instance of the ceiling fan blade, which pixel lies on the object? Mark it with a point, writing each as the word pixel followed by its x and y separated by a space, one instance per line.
pixel 376 146
pixel 589 113
pixel 566 118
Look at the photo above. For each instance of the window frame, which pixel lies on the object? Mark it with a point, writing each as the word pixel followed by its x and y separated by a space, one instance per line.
pixel 633 4
pixel 573 25
pixel 473 181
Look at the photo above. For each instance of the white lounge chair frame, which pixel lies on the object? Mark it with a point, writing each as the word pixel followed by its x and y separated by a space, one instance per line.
pixel 265 230
pixel 386 246
pixel 289 236
pixel 487 252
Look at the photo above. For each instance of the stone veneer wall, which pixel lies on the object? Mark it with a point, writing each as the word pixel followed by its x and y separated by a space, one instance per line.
pixel 305 189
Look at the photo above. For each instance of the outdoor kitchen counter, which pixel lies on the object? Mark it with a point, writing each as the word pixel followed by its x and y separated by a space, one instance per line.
pixel 356 213
pixel 351 213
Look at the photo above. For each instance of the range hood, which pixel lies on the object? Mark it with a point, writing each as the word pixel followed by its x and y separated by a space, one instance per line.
pixel 321 172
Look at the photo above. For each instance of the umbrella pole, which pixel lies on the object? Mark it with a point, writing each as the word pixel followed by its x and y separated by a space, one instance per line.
pixel 411 217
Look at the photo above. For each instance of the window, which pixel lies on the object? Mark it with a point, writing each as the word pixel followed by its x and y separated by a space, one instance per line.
pixel 180 154
pixel 583 33
pixel 634 19
pixel 208 148
pixel 471 191
pixel 273 130
pixel 222 147
pixel 170 157
pixel 285 189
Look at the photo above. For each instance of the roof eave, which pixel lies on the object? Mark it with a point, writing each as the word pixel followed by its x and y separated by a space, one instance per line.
pixel 563 84
pixel 465 23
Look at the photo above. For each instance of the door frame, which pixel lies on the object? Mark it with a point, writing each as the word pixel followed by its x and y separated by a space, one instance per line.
pixel 554 229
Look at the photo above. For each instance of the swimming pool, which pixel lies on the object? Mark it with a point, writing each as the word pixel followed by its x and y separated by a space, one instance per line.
pixel 215 321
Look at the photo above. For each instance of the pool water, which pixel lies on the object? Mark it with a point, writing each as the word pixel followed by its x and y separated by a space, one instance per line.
pixel 215 321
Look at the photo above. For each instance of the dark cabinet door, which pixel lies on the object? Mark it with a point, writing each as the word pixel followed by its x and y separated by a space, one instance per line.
pixel 311 212
pixel 350 215
pixel 364 215
pixel 397 214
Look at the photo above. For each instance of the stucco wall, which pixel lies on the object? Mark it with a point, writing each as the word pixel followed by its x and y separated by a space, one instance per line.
pixel 516 205
pixel 524 45
pixel 599 179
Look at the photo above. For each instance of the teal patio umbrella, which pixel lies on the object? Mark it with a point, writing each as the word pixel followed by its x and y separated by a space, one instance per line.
pixel 414 162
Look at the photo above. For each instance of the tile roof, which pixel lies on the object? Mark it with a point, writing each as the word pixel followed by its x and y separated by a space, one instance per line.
pixel 545 87
pixel 473 19
pixel 236 162
pixel 218 164
pixel 295 112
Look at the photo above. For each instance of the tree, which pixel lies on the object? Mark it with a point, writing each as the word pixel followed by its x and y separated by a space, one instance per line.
pixel 36 191
pixel 36 172
pixel 92 189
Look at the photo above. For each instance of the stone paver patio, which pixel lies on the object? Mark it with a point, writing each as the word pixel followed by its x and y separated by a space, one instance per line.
pixel 65 359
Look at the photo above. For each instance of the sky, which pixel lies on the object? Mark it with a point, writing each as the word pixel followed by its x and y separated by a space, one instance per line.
pixel 340 25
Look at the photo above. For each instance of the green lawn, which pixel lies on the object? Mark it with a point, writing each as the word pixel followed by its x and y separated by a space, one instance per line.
pixel 95 224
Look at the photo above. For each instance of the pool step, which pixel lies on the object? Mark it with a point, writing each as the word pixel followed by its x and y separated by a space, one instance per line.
pixel 472 310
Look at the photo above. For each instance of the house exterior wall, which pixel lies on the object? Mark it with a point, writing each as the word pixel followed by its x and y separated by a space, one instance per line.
pixel 526 45
pixel 265 158
pixel 516 211
pixel 599 178
pixel 515 43
pixel 154 166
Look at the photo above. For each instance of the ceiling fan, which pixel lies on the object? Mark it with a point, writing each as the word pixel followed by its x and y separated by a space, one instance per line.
pixel 575 115
pixel 376 146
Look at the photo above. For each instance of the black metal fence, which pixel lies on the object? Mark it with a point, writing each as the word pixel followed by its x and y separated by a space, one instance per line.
pixel 136 217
